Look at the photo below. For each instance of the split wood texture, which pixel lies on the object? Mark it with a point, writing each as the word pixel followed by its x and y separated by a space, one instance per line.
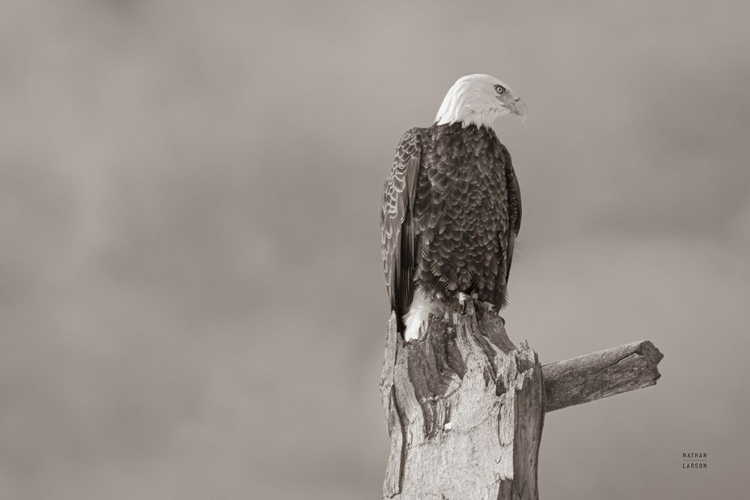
pixel 465 407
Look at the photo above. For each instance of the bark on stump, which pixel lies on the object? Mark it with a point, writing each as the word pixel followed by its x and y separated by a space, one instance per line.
pixel 464 411
pixel 465 406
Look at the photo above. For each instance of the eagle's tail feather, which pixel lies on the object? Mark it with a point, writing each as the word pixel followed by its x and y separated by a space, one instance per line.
pixel 418 316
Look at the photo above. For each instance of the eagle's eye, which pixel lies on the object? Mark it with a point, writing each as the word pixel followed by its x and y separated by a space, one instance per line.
pixel 500 89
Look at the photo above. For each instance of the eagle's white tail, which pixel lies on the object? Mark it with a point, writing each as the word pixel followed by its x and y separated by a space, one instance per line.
pixel 419 313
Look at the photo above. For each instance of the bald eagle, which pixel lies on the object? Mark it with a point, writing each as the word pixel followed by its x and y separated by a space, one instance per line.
pixel 451 207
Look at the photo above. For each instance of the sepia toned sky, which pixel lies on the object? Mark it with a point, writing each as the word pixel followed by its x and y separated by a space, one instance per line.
pixel 191 292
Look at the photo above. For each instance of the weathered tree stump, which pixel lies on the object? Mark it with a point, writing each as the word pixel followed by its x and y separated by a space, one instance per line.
pixel 465 407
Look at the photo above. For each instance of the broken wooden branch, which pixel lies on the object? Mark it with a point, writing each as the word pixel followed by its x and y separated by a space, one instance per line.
pixel 601 374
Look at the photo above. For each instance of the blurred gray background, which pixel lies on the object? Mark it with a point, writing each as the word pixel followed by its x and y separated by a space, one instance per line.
pixel 190 280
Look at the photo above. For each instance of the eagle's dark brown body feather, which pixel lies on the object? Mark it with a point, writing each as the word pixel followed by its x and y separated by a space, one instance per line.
pixel 451 212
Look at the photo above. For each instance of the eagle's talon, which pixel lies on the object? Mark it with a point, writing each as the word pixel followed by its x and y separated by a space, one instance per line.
pixel 462 297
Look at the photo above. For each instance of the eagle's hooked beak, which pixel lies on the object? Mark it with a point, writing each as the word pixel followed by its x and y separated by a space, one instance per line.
pixel 515 105
pixel 520 108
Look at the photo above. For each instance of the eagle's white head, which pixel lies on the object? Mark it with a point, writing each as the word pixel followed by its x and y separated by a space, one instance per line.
pixel 479 100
